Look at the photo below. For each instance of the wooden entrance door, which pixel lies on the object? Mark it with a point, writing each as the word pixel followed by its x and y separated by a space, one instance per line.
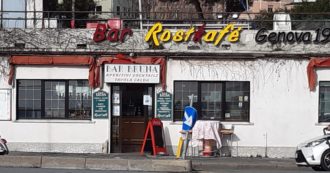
pixel 132 107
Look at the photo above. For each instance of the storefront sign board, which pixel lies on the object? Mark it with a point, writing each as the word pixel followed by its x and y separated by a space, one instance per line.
pixel 320 35
pixel 157 34
pixel 164 106
pixel 103 32
pixel 100 104
pixel 131 73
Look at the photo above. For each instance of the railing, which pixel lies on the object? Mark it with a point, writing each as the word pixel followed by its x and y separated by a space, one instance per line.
pixel 214 20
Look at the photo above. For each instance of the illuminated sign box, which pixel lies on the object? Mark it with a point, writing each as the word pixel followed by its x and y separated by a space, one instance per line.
pixel 131 73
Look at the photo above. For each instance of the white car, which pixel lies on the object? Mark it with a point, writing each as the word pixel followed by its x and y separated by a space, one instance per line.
pixel 315 153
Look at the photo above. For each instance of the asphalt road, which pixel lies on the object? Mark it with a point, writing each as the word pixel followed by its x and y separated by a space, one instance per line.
pixel 215 169
pixel 256 171
pixel 42 170
pixel 225 170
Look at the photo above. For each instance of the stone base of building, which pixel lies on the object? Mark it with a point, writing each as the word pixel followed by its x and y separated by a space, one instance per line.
pixel 58 147
pixel 235 151
pixel 240 151
pixel 272 152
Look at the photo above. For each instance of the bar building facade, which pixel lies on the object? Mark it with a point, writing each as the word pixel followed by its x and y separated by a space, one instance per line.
pixel 63 92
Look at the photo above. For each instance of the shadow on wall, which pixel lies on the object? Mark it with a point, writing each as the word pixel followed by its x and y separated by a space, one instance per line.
pixel 229 145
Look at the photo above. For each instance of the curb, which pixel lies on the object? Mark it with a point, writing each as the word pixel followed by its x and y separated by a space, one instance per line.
pixel 161 165
pixel 20 161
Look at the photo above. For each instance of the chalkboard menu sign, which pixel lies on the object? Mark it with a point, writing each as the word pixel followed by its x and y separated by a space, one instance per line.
pixel 164 105
pixel 100 104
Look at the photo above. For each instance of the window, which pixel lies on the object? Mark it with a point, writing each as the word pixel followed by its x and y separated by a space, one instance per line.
pixel 14 19
pixel 270 8
pixel 118 10
pixel 324 102
pixel 53 99
pixel 98 9
pixel 224 101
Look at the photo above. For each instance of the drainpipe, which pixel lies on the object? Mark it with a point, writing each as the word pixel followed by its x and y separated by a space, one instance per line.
pixel 266 147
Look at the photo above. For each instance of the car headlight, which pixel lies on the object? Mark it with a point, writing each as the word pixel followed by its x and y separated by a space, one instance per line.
pixel 315 143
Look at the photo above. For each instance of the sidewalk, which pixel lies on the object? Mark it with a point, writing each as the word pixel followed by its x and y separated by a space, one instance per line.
pixel 120 161
pixel 243 163
pixel 136 162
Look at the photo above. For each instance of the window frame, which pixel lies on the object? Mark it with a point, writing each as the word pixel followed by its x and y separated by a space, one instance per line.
pixel 319 103
pixel 118 11
pixel 43 99
pixel 223 99
pixel 270 8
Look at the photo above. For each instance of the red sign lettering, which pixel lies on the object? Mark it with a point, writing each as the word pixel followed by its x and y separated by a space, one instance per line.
pixel 113 35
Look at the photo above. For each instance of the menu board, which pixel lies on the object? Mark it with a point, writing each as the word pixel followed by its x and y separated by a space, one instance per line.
pixel 101 104
pixel 5 102
pixel 164 106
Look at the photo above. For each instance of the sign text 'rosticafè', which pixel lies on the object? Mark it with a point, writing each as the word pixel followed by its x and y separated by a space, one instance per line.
pixel 157 34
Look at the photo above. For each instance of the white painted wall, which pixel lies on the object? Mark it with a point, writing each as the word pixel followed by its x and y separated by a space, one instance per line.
pixel 4 71
pixel 111 6
pixel 106 4
pixel 281 105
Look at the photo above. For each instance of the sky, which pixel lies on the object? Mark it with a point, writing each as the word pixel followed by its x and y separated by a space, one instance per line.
pixel 13 5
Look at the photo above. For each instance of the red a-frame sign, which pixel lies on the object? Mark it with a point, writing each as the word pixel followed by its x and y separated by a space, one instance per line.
pixel 155 131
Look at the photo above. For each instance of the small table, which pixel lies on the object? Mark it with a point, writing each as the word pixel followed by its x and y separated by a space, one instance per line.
pixel 230 132
pixel 205 130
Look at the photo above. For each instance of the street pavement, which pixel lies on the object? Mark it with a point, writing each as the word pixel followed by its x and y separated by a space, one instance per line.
pixel 44 170
pixel 137 162
pixel 243 163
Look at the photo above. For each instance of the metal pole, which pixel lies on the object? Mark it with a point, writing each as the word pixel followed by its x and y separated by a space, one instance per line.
pixel 34 14
pixel 72 8
pixel 140 14
pixel 247 5
pixel 1 24
pixel 110 124
pixel 73 14
pixel 186 140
